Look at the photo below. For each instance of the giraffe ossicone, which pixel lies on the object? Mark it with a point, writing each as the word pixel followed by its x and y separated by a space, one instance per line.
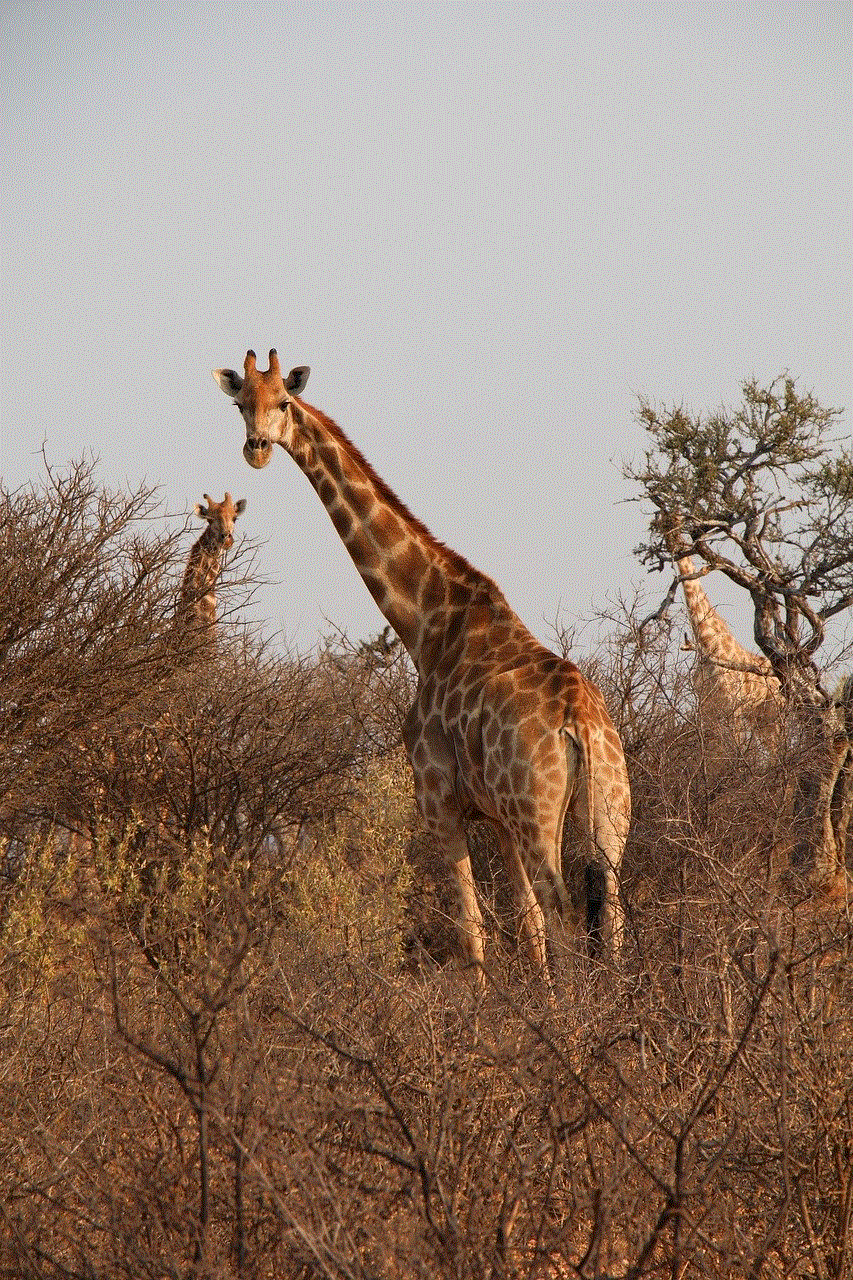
pixel 501 729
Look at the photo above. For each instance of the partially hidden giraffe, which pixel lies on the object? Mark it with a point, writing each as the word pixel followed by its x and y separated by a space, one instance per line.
pixel 500 728
pixel 196 608
pixel 195 611
pixel 739 685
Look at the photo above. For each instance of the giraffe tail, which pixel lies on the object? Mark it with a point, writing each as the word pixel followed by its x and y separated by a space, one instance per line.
pixel 594 875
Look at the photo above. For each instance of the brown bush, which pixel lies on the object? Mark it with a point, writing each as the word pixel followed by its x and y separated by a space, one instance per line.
pixel 298 1086
pixel 283 1100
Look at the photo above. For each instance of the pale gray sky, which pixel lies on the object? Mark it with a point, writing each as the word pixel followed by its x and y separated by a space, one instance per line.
pixel 486 227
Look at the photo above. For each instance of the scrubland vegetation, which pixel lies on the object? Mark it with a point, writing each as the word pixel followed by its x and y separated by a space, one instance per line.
pixel 233 1038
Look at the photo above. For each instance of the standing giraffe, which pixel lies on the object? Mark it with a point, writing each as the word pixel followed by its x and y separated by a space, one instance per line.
pixel 745 692
pixel 739 685
pixel 196 608
pixel 195 615
pixel 195 618
pixel 500 728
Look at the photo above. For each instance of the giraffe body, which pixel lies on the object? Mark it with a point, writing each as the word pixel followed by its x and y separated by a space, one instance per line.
pixel 513 734
pixel 500 728
pixel 739 685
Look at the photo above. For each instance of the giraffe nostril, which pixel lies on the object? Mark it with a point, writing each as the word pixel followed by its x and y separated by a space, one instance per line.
pixel 256 451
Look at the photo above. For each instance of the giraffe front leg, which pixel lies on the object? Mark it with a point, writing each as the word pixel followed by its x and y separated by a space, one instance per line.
pixel 434 771
pixel 469 917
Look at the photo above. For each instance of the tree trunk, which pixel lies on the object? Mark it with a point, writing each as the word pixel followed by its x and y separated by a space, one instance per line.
pixel 823 803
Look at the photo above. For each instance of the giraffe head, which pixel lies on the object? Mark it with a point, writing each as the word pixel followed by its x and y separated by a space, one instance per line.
pixel 266 401
pixel 220 517
pixel 677 532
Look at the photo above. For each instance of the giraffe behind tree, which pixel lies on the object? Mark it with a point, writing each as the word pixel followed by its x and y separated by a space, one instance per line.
pixel 196 609
pixel 740 686
pixel 193 626
pixel 500 728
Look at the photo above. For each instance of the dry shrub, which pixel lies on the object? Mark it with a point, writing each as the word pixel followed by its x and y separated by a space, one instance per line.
pixel 256 1110
pixel 217 1058
pixel 349 894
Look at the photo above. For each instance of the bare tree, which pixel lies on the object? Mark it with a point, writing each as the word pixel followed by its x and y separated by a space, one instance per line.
pixel 119 726
pixel 85 601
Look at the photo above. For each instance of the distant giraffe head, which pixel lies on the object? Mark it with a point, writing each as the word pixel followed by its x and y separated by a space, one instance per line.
pixel 266 401
pixel 221 518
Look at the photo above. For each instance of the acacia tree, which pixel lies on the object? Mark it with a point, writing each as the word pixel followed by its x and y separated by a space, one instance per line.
pixel 764 494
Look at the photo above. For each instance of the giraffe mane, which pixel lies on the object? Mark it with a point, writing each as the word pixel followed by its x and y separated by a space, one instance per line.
pixel 455 562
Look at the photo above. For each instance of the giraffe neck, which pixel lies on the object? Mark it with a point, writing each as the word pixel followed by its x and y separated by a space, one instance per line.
pixel 713 638
pixel 419 584
pixel 197 603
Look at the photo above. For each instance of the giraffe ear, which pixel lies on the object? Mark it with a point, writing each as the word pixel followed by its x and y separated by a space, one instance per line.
pixel 240 507
pixel 229 380
pixel 201 510
pixel 297 379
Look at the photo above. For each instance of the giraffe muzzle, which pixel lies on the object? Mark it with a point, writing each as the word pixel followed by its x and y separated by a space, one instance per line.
pixel 257 451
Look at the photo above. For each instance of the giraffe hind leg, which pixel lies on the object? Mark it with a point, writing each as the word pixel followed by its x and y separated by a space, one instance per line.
pixel 527 903
pixel 602 853
pixel 604 915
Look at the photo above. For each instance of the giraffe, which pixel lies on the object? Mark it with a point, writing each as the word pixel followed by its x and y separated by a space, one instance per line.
pixel 194 627
pixel 196 607
pixel 500 729
pixel 195 618
pixel 195 610
pixel 738 684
